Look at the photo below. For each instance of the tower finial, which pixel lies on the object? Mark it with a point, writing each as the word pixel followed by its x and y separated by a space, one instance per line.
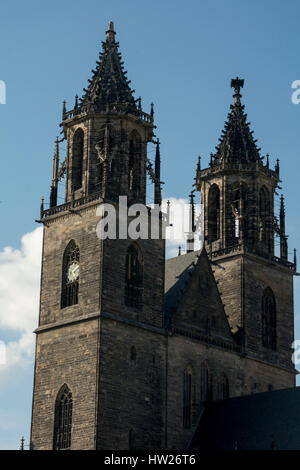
pixel 237 83
pixel 199 163
pixel 110 33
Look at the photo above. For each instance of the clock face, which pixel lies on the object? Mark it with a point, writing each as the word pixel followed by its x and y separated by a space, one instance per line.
pixel 73 272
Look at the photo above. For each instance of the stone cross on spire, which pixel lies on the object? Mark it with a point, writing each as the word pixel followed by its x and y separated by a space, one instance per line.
pixel 237 84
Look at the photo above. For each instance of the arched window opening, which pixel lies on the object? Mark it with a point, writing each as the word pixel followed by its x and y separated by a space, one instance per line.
pixel 213 214
pixel 187 397
pixel 134 277
pixel 239 208
pixel 63 419
pixel 133 354
pixel 70 275
pixel 77 159
pixel 223 387
pixel 134 164
pixel 269 319
pixel 205 382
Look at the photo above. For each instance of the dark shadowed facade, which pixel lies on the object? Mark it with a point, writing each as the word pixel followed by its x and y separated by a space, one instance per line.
pixel 131 348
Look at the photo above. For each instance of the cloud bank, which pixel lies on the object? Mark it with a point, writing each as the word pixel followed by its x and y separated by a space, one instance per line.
pixel 19 303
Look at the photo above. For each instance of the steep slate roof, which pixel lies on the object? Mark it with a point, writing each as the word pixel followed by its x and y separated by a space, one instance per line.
pixel 109 84
pixel 178 271
pixel 192 300
pixel 237 144
pixel 255 422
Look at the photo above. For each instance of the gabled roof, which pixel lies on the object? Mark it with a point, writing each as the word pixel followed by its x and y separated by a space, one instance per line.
pixel 237 144
pixel 178 271
pixel 254 422
pixel 192 300
pixel 109 84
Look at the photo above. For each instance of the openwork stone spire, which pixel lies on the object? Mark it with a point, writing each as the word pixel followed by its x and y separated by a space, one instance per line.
pixel 109 85
pixel 237 144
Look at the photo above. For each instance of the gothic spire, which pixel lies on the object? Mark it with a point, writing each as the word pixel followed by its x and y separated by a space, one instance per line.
pixel 109 85
pixel 237 144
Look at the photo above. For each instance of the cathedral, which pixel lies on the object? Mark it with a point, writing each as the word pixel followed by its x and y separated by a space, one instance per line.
pixel 134 351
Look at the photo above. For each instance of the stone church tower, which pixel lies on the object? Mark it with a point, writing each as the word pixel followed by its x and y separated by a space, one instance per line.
pixel 130 347
pixel 240 226
pixel 99 352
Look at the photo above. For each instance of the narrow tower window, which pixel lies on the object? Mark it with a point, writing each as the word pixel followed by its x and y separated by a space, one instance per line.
pixel 223 387
pixel 269 319
pixel 77 159
pixel 134 277
pixel 134 162
pixel 264 213
pixel 213 214
pixel 187 397
pixel 63 419
pixel 205 382
pixel 70 275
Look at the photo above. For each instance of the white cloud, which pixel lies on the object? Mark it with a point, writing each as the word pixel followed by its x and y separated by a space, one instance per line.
pixel 20 271
pixel 179 219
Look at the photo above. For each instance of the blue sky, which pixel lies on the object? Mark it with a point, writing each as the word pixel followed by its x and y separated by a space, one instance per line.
pixel 181 56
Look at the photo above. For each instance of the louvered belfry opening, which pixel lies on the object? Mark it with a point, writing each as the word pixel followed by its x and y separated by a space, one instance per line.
pixel 214 214
pixel 77 159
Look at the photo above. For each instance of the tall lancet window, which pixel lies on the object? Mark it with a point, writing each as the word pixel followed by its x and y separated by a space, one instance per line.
pixel 134 163
pixel 205 382
pixel 223 387
pixel 239 209
pixel 264 213
pixel 213 213
pixel 77 159
pixel 269 319
pixel 187 397
pixel 70 275
pixel 134 277
pixel 63 419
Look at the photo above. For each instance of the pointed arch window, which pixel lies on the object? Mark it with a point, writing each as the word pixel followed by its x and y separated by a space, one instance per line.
pixel 239 199
pixel 269 319
pixel 70 275
pixel 134 169
pixel 187 397
pixel 205 382
pixel 264 213
pixel 223 387
pixel 213 213
pixel 134 277
pixel 77 159
pixel 63 419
